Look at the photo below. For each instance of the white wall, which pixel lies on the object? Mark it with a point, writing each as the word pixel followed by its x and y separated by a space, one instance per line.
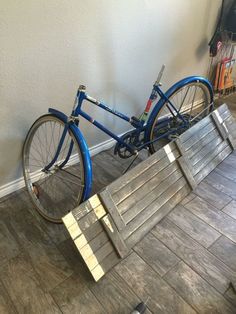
pixel 49 47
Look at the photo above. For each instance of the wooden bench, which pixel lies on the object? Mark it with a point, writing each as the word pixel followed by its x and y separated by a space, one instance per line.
pixel 110 223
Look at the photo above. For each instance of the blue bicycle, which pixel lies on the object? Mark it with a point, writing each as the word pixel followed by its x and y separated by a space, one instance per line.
pixel 56 161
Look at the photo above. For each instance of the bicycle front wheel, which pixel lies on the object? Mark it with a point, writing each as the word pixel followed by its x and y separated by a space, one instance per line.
pixel 58 189
pixel 192 100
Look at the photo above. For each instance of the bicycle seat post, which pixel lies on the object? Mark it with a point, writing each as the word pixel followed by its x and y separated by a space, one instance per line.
pixel 157 83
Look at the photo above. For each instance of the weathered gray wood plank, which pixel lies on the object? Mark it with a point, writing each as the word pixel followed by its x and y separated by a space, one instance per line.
pixel 212 164
pixel 193 226
pixel 196 132
pixel 225 250
pixel 198 258
pixel 182 161
pixel 153 220
pixel 152 174
pixel 150 210
pixel 114 235
pixel 212 153
pixel 205 150
pixel 230 209
pixel 146 283
pixel 208 136
pixel 111 208
pixel 211 195
pixel 214 217
pixel 196 291
pixel 170 150
pixel 149 197
pixel 24 288
pixel 156 254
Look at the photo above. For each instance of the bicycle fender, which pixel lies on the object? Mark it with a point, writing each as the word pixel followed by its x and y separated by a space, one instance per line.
pixel 84 150
pixel 160 103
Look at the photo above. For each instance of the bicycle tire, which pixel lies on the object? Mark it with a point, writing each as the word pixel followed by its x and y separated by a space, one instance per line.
pixel 201 88
pixel 58 190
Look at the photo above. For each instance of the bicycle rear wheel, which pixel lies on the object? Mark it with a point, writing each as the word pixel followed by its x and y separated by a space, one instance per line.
pixel 59 189
pixel 192 100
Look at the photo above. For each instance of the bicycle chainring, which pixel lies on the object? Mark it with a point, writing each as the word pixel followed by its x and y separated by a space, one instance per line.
pixel 130 138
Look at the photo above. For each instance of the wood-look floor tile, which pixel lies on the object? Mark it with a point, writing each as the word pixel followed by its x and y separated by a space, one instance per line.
pixel 114 294
pixel 222 184
pixel 23 287
pixel 230 209
pixel 8 246
pixel 225 249
pixel 73 296
pixel 196 291
pixel 212 195
pixel 156 254
pixel 193 226
pixel 6 304
pixel 197 257
pixel 214 217
pixel 147 283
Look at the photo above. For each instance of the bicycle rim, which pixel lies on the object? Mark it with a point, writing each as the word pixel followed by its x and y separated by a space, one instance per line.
pixel 192 100
pixel 56 191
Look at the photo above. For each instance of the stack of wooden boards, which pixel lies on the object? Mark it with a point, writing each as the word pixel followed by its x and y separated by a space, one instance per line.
pixel 110 223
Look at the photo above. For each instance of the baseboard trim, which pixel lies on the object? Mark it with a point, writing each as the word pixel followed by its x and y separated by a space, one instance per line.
pixel 18 184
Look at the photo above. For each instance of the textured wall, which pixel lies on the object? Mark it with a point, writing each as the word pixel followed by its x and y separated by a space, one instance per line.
pixel 48 48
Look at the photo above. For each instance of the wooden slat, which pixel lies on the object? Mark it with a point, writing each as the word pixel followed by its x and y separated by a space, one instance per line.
pixel 147 188
pixel 111 208
pixel 133 173
pixel 88 235
pixel 212 164
pixel 95 259
pixel 158 215
pixel 218 123
pixel 114 236
pixel 151 197
pixel 205 140
pixel 191 133
pixel 187 172
pixel 90 247
pixel 105 265
pixel 212 152
pixel 149 211
pixel 198 135
pixel 141 180
pixel 224 111
pixel 203 150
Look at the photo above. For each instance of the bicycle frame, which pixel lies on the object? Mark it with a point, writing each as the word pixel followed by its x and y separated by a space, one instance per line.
pixel 138 124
